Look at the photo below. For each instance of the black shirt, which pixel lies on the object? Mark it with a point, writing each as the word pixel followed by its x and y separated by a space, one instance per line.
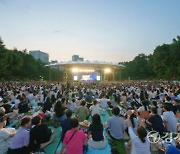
pixel 97 133
pixel 23 107
pixel 176 108
pixel 38 135
pixel 7 108
pixel 157 123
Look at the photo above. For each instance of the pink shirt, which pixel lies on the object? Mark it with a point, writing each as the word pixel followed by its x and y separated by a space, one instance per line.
pixel 75 145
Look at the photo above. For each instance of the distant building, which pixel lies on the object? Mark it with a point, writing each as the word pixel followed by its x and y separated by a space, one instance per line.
pixel 53 62
pixel 77 58
pixel 37 54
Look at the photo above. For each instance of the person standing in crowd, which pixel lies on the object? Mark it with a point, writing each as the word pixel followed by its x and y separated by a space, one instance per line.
pixel 74 139
pixel 20 141
pixel 116 125
pixel 82 112
pixel 97 141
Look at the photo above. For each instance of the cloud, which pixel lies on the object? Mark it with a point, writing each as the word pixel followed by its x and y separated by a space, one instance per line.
pixel 56 31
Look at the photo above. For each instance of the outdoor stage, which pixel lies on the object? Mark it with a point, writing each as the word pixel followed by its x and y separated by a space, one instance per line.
pixel 87 71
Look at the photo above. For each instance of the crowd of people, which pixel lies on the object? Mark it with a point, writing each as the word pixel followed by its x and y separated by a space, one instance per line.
pixel 135 109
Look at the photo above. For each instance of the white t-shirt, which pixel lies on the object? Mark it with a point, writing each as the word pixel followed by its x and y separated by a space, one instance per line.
pixel 137 146
pixel 5 139
pixel 72 106
pixel 103 103
pixel 171 120
pixel 95 109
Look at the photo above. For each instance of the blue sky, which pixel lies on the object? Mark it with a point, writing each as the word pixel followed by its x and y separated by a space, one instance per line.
pixel 105 30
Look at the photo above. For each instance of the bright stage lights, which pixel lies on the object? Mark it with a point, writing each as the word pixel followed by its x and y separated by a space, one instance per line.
pixel 75 78
pixel 77 70
pixel 98 78
pixel 107 70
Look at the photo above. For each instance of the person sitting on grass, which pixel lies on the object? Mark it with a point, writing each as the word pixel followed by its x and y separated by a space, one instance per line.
pixel 95 109
pixel 74 139
pixel 169 118
pixel 7 106
pixel 6 135
pixel 95 133
pixel 140 143
pixel 72 106
pixel 116 125
pixel 20 141
pixel 65 124
pixel 2 111
pixel 23 106
pixel 82 112
pixel 40 135
pixel 155 121
pixel 59 112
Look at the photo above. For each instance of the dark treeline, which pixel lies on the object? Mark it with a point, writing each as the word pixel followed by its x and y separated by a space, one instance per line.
pixel 18 66
pixel 164 63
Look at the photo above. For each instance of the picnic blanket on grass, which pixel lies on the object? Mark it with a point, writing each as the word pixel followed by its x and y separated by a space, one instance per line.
pixel 104 117
pixel 51 148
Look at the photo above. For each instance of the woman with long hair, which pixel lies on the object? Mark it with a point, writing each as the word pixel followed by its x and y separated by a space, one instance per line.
pixel 47 105
pixel 140 143
pixel 95 133
pixel 59 112
pixel 53 99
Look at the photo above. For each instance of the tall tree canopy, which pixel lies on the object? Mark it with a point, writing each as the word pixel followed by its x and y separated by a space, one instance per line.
pixel 18 65
pixel 164 63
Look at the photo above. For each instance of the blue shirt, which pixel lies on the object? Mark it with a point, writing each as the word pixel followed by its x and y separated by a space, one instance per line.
pixel 21 139
pixel 116 126
pixel 65 124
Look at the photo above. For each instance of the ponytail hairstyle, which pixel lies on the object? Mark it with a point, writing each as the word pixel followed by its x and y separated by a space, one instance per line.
pixel 132 116
pixel 142 133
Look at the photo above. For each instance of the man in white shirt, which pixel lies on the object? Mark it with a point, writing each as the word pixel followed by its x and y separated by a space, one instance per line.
pixel 169 118
pixel 103 102
pixel 95 108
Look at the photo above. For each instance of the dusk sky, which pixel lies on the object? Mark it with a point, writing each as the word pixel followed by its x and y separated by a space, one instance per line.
pixel 104 30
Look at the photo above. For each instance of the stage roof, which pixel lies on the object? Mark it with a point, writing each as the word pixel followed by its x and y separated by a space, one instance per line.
pixel 86 64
